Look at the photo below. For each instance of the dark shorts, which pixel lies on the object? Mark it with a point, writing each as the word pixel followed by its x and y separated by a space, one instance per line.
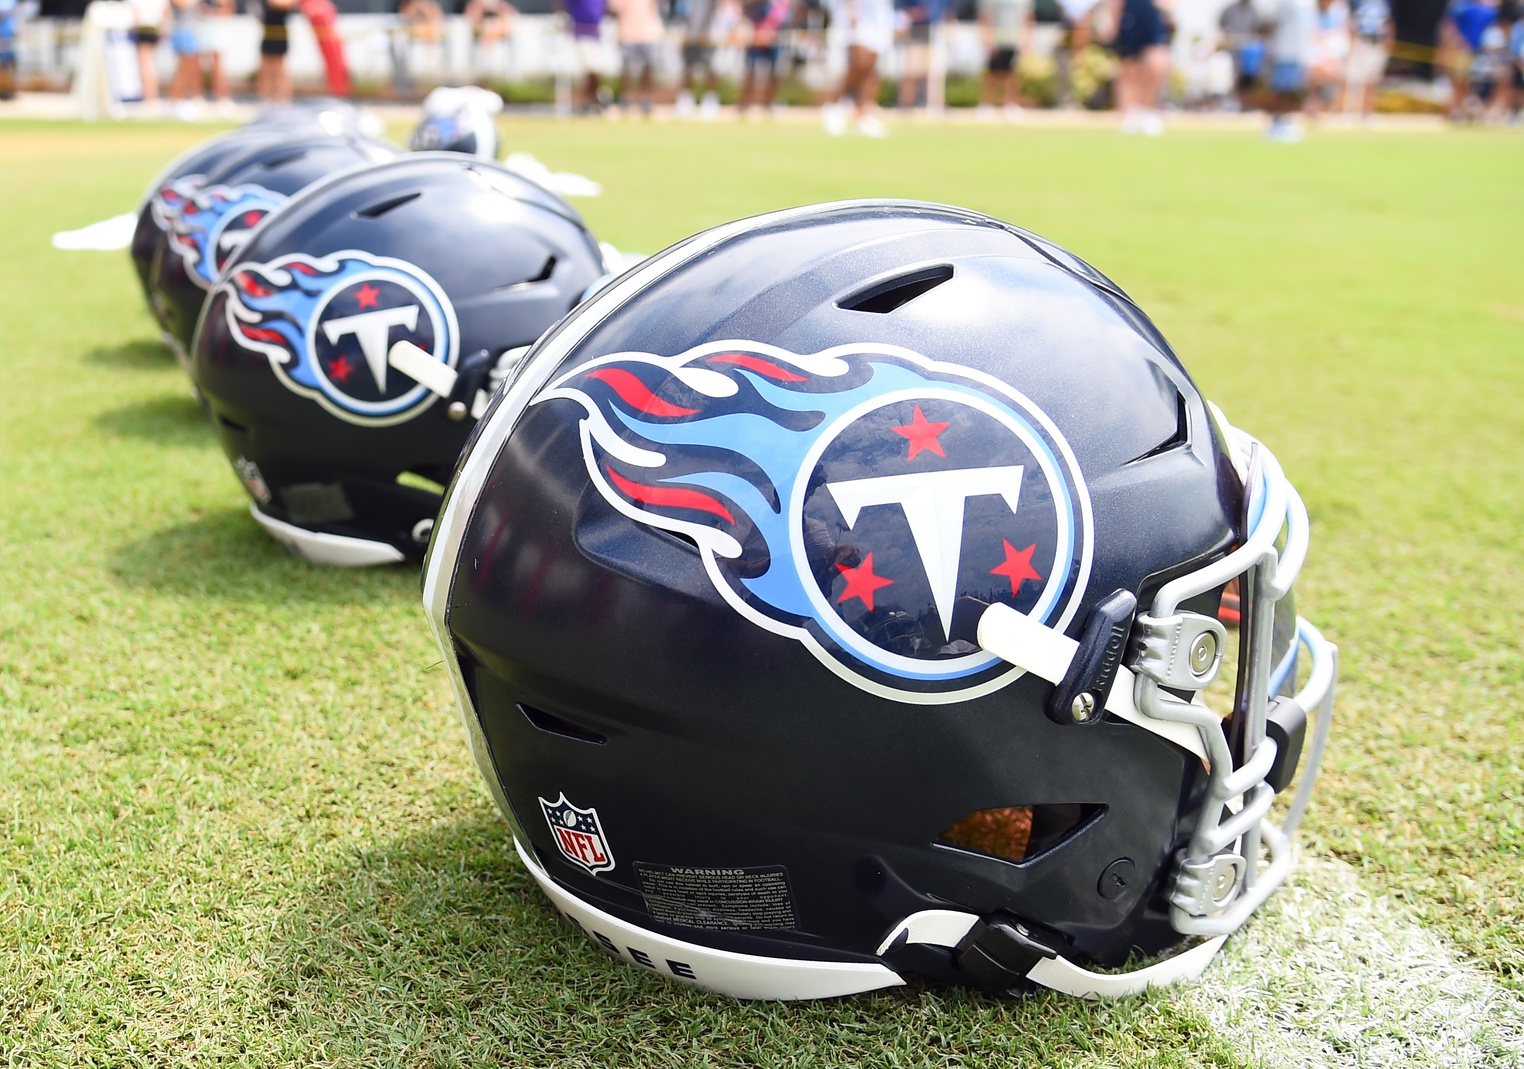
pixel 1518 78
pixel 698 56
pixel 762 57
pixel 1002 60
pixel 1141 28
pixel 146 35
pixel 274 42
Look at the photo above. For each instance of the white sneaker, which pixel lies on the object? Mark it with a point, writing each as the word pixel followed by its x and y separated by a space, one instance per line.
pixel 684 106
pixel 1132 123
pixel 1152 124
pixel 870 126
pixel 709 107
pixel 984 113
pixel 834 118
pixel 1014 113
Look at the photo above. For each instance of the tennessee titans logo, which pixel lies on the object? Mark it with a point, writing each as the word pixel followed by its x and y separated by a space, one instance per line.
pixel 866 501
pixel 327 323
pixel 578 835
pixel 168 200
pixel 212 222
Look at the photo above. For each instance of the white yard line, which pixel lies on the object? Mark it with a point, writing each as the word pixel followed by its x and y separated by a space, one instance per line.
pixel 1328 975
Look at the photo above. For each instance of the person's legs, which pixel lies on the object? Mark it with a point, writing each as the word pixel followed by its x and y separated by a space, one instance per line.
pixel 219 79
pixel 148 68
pixel 647 77
pixel 749 80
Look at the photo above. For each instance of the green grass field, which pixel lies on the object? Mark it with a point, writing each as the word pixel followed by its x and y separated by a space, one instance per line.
pixel 240 822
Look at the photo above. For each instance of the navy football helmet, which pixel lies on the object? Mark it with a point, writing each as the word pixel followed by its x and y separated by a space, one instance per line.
pixel 353 342
pixel 187 172
pixel 458 119
pixel 834 596
pixel 211 221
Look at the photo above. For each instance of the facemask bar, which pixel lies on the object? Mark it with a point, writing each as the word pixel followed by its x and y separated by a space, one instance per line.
pixel 1219 880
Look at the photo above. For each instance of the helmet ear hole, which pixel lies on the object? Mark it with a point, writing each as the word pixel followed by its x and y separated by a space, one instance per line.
pixel 1019 833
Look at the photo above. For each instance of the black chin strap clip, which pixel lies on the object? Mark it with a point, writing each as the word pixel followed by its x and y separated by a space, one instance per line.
pixel 997 955
pixel 1080 696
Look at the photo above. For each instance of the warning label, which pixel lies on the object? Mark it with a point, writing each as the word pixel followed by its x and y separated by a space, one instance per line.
pixel 725 899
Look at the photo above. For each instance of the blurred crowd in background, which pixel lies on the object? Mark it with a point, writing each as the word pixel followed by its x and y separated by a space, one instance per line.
pixel 853 58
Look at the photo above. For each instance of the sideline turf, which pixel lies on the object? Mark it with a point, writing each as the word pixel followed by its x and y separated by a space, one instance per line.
pixel 241 825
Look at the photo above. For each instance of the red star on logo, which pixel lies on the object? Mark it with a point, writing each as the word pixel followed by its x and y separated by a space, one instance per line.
pixel 341 369
pixel 250 218
pixel 367 295
pixel 861 582
pixel 1017 566
pixel 922 434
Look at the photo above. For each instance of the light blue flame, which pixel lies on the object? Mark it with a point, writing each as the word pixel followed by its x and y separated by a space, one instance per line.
pixel 201 218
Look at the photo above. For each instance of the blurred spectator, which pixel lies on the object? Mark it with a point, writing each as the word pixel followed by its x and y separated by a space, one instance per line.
pixel 1007 29
pixel 273 82
pixel 1142 47
pixel 640 34
pixel 492 23
pixel 1330 50
pixel 417 20
pixel 1461 31
pixel 1374 32
pixel 586 18
pixel 767 19
pixel 147 23
pixel 10 29
pixel 919 16
pixel 1291 51
pixel 185 86
pixel 216 29
pixel 1512 15
pixel 868 29
pixel 1490 71
pixel 323 16
pixel 698 61
pixel 1243 34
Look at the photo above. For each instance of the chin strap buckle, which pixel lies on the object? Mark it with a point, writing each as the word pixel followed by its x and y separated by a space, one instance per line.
pixel 998 955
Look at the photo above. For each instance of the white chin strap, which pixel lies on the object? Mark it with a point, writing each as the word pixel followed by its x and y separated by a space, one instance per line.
pixel 946 928
pixel 1046 653
pixel 314 547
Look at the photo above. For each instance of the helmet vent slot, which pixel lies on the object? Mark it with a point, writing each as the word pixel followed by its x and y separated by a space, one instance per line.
pixel 281 161
pixel 1175 440
pixel 375 211
pixel 1020 833
pixel 544 276
pixel 885 297
pixel 555 725
pixel 236 428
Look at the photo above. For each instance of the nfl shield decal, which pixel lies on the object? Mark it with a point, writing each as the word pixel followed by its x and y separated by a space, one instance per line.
pixel 578 835
pixel 866 500
pixel 212 222
pixel 327 324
